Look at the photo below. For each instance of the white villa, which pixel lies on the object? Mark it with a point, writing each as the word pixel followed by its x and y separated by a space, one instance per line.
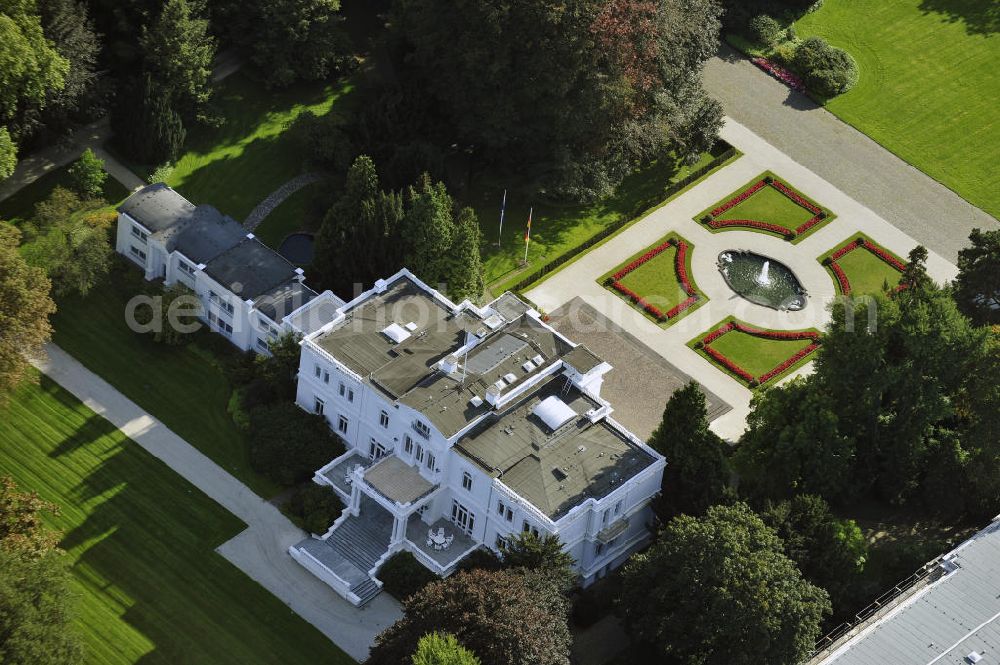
pixel 249 293
pixel 463 424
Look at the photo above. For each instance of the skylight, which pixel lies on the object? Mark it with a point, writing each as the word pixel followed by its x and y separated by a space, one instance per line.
pixel 396 332
pixel 554 412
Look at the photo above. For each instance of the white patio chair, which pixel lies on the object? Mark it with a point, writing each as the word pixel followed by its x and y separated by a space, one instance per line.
pixel 447 542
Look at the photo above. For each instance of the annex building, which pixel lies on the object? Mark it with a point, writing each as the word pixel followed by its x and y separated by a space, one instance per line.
pixel 463 424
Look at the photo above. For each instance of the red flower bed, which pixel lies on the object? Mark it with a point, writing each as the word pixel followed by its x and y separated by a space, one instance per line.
pixel 765 334
pixel 808 225
pixel 753 224
pixel 787 191
pixel 802 353
pixel 845 285
pixel 674 311
pixel 739 198
pixel 780 73
pixel 656 251
pixel 729 364
pixel 682 276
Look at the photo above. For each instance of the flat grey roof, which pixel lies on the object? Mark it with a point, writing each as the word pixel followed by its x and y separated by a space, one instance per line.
pixel 955 616
pixel 582 359
pixel 284 299
pixel 250 269
pixel 554 470
pixel 397 481
pixel 207 234
pixel 157 207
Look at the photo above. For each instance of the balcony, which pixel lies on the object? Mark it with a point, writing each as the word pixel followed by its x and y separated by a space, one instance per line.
pixel 440 561
pixel 338 474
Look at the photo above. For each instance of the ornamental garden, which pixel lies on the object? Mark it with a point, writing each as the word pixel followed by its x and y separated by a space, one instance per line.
pixel 769 205
pixel 657 281
pixel 756 356
pixel 861 266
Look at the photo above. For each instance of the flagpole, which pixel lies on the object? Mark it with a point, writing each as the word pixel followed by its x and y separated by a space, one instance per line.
pixel 503 206
pixel 527 236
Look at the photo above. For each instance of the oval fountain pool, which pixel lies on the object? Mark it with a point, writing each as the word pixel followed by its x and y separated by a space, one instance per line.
pixel 762 280
pixel 297 248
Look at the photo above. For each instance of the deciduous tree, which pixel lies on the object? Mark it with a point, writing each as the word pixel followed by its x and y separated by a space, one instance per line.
pixel 8 154
pixel 25 307
pixel 442 649
pixel 505 617
pixel 977 287
pixel 88 174
pixel 544 554
pixel 720 589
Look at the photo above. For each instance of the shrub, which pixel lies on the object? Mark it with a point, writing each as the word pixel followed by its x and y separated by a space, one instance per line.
pixel 288 445
pixel 480 559
pixel 317 506
pixel 827 70
pixel 88 174
pixel 765 30
pixel 404 576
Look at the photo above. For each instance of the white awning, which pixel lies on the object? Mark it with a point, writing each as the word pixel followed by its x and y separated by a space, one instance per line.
pixel 554 412
pixel 396 332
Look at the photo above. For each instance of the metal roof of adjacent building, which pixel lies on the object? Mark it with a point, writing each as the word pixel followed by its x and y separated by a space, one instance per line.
pixel 945 622
pixel 250 269
pixel 554 469
pixel 207 234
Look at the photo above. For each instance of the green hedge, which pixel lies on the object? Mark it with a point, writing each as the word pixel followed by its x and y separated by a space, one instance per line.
pixel 402 575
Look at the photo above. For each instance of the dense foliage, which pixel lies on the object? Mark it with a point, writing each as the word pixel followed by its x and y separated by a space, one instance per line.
pixel 919 421
pixel 289 40
pixel 827 70
pixel 542 554
pixel 697 473
pixel 578 93
pixel 34 596
pixel 442 649
pixel 505 617
pixel 317 506
pixel 720 589
pixel 370 233
pixel 88 174
pixel 25 307
pixel 977 288
pixel 404 576
pixel 288 445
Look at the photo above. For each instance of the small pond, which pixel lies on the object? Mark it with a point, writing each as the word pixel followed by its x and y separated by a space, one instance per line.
pixel 762 280
pixel 298 248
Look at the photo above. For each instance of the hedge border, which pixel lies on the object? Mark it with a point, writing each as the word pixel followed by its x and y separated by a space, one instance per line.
pixel 611 229
pixel 831 260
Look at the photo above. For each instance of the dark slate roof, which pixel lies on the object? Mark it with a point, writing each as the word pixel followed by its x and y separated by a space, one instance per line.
pixel 250 269
pixel 158 208
pixel 208 234
pixel 284 299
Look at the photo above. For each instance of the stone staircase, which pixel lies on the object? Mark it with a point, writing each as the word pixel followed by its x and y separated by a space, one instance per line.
pixel 363 540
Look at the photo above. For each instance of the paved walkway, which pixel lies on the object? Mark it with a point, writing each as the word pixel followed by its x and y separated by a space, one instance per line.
pixel 791 122
pixel 277 197
pixel 580 277
pixel 261 550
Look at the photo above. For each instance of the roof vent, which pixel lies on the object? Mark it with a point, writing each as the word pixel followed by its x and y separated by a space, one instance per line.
pixel 528 366
pixel 449 364
pixel 499 384
pixel 538 360
pixel 509 377
pixel 559 474
pixel 411 326
pixel 396 332
pixel 476 401
pixel 554 412
pixel 974 657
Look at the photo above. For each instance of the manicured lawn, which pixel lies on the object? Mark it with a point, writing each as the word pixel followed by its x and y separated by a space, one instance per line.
pixel 929 84
pixel 237 165
pixel 182 386
pixel 768 205
pixel 866 273
pixel 656 280
pixel 302 211
pixel 147 584
pixel 556 229
pixel 21 205
pixel 753 353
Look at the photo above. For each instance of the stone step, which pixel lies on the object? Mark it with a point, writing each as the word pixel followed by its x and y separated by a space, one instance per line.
pixel 361 543
pixel 366 590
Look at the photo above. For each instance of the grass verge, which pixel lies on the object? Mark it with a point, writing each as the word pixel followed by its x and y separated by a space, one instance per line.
pixel 21 204
pixel 147 582
pixel 866 273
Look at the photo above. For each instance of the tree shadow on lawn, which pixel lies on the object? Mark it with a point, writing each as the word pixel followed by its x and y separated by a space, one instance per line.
pixel 148 542
pixel 981 17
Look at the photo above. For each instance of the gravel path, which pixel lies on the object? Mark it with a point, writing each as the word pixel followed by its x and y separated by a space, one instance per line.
pixel 277 197
pixel 261 551
pixel 791 122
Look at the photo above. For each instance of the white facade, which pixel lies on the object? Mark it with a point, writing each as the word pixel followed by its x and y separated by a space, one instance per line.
pixel 480 508
pixel 239 319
